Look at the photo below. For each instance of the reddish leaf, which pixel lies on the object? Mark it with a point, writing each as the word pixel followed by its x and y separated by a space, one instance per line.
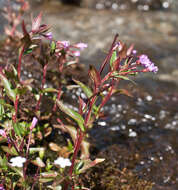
pixel 129 50
pixel 36 22
pixel 115 64
pixel 81 106
pixel 122 50
pixel 95 76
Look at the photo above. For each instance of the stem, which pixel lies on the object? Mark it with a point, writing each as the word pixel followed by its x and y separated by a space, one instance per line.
pixel 92 101
pixel 58 98
pixel 20 61
pixel 106 98
pixel 108 55
pixel 80 136
pixel 35 178
pixel 14 144
pixel 42 86
pixel 76 149
pixel 16 108
pixel 26 163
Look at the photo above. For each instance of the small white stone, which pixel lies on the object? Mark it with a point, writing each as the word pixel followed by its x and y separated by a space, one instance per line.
pixel 29 75
pixel 142 162
pixel 165 4
pixel 123 127
pixel 147 116
pixel 83 96
pixel 149 98
pixel 115 128
pixel 132 122
pixel 102 123
pixel 45 86
pixel 132 134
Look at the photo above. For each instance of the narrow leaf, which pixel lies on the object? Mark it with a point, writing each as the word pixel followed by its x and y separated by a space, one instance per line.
pixel 85 88
pixel 113 58
pixel 88 164
pixel 49 90
pixel 53 47
pixel 36 22
pixel 123 77
pixel 73 114
pixel 10 93
pixel 95 76
pixel 11 150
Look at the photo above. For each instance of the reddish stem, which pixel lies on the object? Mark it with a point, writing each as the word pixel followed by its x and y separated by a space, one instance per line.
pixel 79 139
pixel 20 61
pixel 42 86
pixel 108 55
pixel 58 98
pixel 106 98
pixel 92 101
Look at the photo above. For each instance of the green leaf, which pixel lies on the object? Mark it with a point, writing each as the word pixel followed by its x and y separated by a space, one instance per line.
pixel 21 128
pixel 113 58
pixel 18 171
pixel 11 150
pixel 17 129
pixel 7 85
pixel 29 50
pixel 88 93
pixel 79 167
pixel 49 90
pixel 116 75
pixel 45 180
pixel 85 88
pixel 3 103
pixel 3 163
pixel 21 90
pixel 73 114
pixel 53 47
pixel 41 150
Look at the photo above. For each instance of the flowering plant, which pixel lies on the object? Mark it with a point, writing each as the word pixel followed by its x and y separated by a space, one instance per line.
pixel 18 133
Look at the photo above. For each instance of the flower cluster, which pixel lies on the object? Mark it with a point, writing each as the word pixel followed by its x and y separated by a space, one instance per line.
pixel 62 162
pixel 72 50
pixel 17 161
pixel 145 61
pixel 3 133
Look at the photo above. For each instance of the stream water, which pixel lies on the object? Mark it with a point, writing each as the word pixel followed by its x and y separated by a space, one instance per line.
pixel 144 128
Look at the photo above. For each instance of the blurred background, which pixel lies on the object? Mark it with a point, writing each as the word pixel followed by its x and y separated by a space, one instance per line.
pixel 150 24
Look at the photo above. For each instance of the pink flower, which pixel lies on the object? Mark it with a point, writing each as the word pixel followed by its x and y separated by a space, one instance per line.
pixel 48 36
pixel 81 46
pixel 66 44
pixel 145 61
pixel 134 51
pixel 3 133
pixel 34 122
